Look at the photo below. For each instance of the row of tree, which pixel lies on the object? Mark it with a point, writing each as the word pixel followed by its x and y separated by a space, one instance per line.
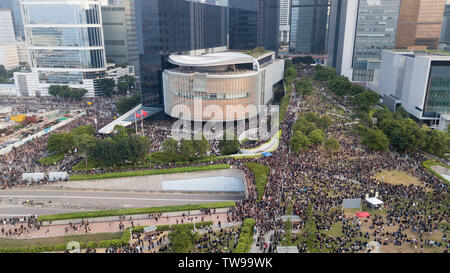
pixel 185 150
pixel 125 104
pixel 66 92
pixel 124 83
pixel 123 147
pixel 391 129
pixel 309 131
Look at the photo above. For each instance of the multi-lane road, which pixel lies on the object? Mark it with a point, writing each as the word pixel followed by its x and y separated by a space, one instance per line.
pixel 60 201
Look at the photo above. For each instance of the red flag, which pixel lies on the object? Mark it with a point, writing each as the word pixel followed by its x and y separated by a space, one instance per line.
pixel 144 113
pixel 137 115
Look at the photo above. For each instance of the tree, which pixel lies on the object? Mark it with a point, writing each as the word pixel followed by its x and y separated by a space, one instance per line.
pixel 299 142
pixel 60 143
pixel 201 146
pixel 83 143
pixel 125 104
pixel 304 87
pixel 125 83
pixel 331 144
pixel 312 117
pixel 170 146
pixel 307 60
pixel 366 100
pixel 187 149
pixel 304 126
pixel 325 74
pixel 228 147
pixel 182 239
pixel 106 86
pixel 316 137
pixel 324 122
pixel 437 143
pixel 65 92
pixel 355 89
pixel 83 130
pixel 340 86
pixel 376 140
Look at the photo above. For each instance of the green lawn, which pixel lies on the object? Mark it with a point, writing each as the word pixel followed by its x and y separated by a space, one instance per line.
pixel 148 172
pixel 132 211
pixel 260 172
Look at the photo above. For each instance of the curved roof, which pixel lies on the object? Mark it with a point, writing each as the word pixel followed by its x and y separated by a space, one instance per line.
pixel 213 59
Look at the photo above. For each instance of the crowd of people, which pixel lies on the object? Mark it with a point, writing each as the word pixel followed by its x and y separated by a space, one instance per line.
pixel 311 185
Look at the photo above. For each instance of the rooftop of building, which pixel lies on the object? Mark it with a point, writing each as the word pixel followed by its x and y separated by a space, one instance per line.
pixel 210 60
pixel 432 54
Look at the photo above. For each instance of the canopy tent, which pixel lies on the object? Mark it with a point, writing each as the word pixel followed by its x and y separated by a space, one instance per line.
pixel 266 154
pixel 362 214
pixel 150 229
pixel 374 202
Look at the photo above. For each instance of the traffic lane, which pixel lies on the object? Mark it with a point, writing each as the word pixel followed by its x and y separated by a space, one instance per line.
pixel 104 200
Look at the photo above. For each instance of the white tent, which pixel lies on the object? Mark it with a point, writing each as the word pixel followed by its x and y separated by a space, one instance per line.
pixel 374 202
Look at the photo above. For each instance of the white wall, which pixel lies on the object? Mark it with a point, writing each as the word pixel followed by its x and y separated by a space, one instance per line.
pixel 274 73
pixel 349 39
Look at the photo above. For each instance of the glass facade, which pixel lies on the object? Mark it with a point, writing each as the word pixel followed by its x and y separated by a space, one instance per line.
pixel 61 13
pixel 254 23
pixel 14 6
pixel 375 30
pixel 66 36
pixel 170 26
pixel 309 20
pixel 438 93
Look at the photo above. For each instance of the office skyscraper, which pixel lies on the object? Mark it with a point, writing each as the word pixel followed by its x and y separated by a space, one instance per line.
pixel 444 42
pixel 14 7
pixel 119 28
pixel 309 20
pixel 8 48
pixel 65 42
pixel 285 13
pixel 359 30
pixel 419 23
pixel 175 26
pixel 254 23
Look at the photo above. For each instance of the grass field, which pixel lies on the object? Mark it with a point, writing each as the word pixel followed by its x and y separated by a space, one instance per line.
pixel 148 172
pixel 397 177
pixel 260 172
pixel 5 242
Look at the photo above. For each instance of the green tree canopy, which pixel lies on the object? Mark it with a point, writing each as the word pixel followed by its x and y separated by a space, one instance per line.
pixel 299 142
pixel 331 144
pixel 316 137
pixel 376 140
pixel 106 86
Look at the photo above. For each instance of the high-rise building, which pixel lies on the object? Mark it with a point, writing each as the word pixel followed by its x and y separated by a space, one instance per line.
pixel 14 7
pixel 285 11
pixel 254 23
pixel 309 21
pixel 119 29
pixel 419 23
pixel 174 26
pixel 65 43
pixel 8 48
pixel 444 42
pixel 419 82
pixel 6 27
pixel 359 30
